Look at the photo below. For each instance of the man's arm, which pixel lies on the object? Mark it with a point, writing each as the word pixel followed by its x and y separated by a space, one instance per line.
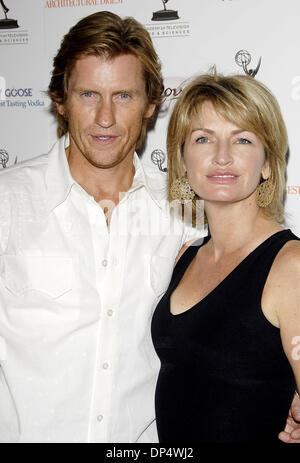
pixel 291 433
pixel 149 436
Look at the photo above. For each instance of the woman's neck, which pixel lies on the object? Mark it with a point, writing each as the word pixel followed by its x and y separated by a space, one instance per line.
pixel 237 227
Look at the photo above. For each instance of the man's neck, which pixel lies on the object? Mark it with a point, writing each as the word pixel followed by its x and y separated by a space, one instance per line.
pixel 104 184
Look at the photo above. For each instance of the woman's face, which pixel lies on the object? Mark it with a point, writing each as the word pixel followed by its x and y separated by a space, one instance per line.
pixel 224 163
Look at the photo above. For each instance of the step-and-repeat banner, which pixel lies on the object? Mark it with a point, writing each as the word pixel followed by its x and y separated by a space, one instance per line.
pixel 238 36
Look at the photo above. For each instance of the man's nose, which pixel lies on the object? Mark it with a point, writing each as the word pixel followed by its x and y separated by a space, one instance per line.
pixel 105 116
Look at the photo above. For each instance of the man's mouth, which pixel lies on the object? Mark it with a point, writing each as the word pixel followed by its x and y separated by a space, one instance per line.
pixel 105 138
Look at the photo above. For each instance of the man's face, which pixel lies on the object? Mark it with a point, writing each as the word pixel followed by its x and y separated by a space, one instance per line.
pixel 105 107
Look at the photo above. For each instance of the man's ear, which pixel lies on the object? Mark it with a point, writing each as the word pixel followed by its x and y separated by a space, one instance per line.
pixel 61 109
pixel 149 110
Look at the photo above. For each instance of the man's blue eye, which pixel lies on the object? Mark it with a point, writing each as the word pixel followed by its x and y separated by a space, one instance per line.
pixel 124 95
pixel 202 140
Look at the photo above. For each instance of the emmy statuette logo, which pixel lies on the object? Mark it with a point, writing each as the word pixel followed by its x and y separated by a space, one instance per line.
pixel 4 157
pixel 165 14
pixel 158 157
pixel 7 23
pixel 243 59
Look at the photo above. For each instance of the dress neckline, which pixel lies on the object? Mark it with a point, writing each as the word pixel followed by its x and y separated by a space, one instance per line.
pixel 219 285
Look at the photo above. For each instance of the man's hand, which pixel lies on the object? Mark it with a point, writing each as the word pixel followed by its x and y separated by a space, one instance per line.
pixel 291 433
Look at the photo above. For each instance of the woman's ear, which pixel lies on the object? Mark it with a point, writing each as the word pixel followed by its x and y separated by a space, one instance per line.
pixel 266 170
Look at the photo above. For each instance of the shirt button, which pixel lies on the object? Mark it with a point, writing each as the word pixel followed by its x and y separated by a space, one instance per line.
pixel 104 263
pixel 110 312
pixel 99 418
pixel 105 366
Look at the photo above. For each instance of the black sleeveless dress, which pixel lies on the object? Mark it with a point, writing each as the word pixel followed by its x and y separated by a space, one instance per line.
pixel 224 376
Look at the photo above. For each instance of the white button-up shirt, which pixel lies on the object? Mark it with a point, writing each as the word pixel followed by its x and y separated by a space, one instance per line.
pixel 76 300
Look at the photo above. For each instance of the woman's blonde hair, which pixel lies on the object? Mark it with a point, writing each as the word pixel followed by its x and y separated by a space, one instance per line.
pixel 107 35
pixel 247 103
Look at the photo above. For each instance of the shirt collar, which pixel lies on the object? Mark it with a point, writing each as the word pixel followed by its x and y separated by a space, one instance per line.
pixel 142 178
pixel 59 180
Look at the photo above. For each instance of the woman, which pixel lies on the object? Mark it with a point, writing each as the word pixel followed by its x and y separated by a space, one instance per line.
pixel 227 329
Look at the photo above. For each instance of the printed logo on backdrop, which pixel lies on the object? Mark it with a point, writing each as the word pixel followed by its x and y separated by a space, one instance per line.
pixel 172 90
pixel 7 23
pixel 293 190
pixel 165 23
pixel 19 97
pixel 165 15
pixel 173 86
pixel 80 3
pixel 243 59
pixel 10 34
pixel 4 158
pixel 158 158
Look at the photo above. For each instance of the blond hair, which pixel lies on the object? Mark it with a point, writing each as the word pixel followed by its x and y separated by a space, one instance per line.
pixel 106 35
pixel 247 103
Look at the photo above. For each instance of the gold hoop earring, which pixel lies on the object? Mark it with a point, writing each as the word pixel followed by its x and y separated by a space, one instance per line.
pixel 265 193
pixel 181 189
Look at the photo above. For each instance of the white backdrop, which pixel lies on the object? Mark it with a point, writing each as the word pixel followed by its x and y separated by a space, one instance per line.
pixel 207 32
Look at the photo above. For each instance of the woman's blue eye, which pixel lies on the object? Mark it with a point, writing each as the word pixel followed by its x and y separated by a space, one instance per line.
pixel 87 94
pixel 243 141
pixel 202 140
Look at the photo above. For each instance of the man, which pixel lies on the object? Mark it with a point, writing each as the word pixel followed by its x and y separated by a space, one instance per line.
pixel 87 247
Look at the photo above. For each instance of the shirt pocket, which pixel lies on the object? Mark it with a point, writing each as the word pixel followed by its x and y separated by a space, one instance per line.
pixel 39 290
pixel 49 275
pixel 161 269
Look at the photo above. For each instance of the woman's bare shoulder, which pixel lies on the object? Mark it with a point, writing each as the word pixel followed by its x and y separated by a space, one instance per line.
pixel 282 290
pixel 285 271
pixel 185 247
pixel 289 256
